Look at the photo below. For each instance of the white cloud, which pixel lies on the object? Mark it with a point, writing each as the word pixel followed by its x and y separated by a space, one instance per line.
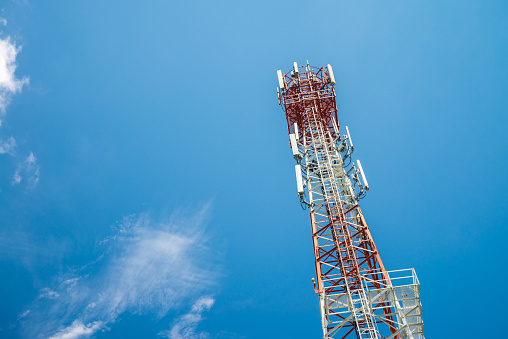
pixel 146 267
pixel 69 283
pixel 29 169
pixel 48 293
pixel 7 146
pixel 16 178
pixel 9 83
pixel 78 330
pixel 24 314
pixel 185 326
pixel 203 304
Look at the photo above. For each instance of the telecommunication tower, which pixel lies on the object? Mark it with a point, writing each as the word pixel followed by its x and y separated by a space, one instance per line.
pixel 358 298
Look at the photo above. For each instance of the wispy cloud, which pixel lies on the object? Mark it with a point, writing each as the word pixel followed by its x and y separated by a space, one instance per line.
pixel 7 146
pixel 185 326
pixel 145 267
pixel 48 293
pixel 27 168
pixel 77 329
pixel 24 314
pixel 9 83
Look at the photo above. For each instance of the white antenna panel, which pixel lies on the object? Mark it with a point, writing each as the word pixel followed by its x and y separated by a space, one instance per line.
pixel 335 127
pixel 299 180
pixel 282 85
pixel 294 145
pixel 350 140
pixel 363 175
pixel 330 74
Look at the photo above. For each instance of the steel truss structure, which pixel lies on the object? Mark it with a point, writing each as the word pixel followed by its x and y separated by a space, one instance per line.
pixel 357 296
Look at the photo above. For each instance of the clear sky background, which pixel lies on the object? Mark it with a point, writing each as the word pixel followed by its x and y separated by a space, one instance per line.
pixel 146 184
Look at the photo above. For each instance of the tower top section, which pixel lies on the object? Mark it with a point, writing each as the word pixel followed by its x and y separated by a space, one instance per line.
pixel 308 90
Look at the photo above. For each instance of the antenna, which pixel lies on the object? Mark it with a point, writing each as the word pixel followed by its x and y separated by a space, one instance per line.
pixel 295 66
pixel 335 127
pixel 366 184
pixel 282 85
pixel 296 131
pixel 299 180
pixel 350 140
pixel 331 78
pixel 294 146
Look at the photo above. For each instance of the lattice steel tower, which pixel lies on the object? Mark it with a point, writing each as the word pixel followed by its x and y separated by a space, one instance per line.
pixel 358 298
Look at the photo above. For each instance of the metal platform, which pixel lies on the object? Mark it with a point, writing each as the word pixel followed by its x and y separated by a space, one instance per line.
pixel 402 295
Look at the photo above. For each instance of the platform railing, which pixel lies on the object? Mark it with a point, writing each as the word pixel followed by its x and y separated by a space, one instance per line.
pixel 401 294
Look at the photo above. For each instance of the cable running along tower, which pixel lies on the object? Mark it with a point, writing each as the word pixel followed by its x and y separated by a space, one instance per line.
pixel 358 298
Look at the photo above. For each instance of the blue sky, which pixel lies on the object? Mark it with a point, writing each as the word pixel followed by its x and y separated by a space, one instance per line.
pixel 147 187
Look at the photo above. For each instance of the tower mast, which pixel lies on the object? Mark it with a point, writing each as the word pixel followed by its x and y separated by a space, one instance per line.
pixel 358 298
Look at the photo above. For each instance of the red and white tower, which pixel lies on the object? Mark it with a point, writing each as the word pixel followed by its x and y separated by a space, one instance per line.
pixel 357 296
